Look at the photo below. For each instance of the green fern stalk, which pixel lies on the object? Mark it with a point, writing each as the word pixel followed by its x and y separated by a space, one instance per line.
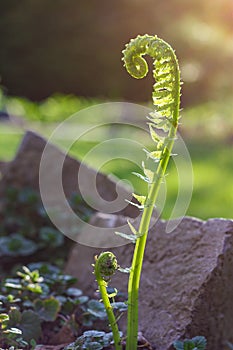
pixel 166 98
pixel 104 267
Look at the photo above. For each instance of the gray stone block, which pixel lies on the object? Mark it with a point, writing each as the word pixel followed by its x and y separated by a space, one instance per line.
pixel 186 285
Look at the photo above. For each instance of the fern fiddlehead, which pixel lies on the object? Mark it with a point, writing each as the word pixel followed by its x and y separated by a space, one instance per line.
pixel 166 98
pixel 105 266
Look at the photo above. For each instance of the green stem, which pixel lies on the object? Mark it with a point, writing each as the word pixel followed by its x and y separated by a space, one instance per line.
pixel 108 307
pixel 135 272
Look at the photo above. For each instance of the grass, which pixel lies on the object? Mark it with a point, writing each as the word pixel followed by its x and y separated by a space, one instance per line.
pixel 213 187
pixel 212 166
pixel 9 141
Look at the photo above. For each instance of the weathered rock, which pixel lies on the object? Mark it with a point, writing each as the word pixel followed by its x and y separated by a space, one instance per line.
pixel 3 167
pixel 25 171
pixel 186 285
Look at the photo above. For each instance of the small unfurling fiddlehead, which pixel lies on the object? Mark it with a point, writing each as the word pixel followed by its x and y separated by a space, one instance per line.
pixel 166 98
pixel 105 266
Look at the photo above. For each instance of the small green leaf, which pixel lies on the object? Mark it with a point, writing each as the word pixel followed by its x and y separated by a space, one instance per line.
pixel 30 325
pixel 96 309
pixel 124 269
pixel 140 199
pixel 13 331
pixel 51 237
pixel 3 318
pixel 151 155
pixel 196 343
pixel 28 322
pixel 132 228
pixel 92 340
pixel 131 238
pixel 34 288
pixel 120 306
pixel 33 343
pixel 13 283
pixel 82 299
pixel 142 177
pixel 156 155
pixel 66 280
pixel 72 346
pixel 178 345
pixel 139 206
pixel 108 338
pixel 155 137
pixel 16 245
pixel 94 334
pixel 112 292
pixel 47 309
pixel 74 292
pixel 189 345
pixel 149 174
pixel 200 342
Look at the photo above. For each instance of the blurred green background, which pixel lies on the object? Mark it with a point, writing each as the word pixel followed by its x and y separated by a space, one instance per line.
pixel 59 57
pixel 75 46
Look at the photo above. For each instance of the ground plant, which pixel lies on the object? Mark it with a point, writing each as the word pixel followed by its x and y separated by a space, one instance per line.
pixel 38 301
pixel 26 231
pixel 163 124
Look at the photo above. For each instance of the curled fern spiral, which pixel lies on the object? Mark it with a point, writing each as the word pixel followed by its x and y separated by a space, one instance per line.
pixel 106 264
pixel 166 90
